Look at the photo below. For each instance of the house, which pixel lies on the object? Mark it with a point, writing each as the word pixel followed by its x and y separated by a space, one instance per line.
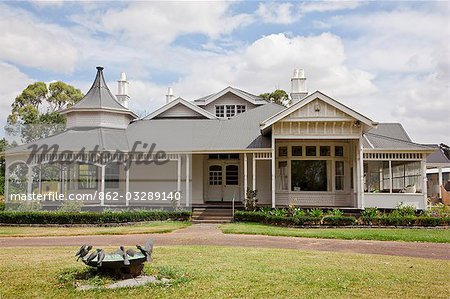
pixel 315 153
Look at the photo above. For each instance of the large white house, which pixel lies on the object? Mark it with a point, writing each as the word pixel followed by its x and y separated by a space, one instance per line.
pixel 315 153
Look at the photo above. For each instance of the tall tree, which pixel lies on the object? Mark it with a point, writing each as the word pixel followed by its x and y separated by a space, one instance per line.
pixel 38 105
pixel 278 96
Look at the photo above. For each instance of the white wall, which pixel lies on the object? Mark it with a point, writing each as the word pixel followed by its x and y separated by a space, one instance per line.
pixel 227 99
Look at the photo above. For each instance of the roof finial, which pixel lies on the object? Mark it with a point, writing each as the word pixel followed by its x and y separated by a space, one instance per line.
pixel 100 68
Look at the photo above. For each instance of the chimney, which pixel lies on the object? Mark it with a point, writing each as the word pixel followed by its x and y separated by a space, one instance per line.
pixel 169 95
pixel 298 86
pixel 122 90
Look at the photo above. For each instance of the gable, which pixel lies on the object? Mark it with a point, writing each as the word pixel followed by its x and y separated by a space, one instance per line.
pixel 319 109
pixel 243 95
pixel 180 108
pixel 179 111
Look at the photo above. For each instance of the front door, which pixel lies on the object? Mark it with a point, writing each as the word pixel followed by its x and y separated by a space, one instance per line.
pixel 223 181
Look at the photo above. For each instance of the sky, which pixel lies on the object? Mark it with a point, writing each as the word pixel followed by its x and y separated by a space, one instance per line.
pixel 389 61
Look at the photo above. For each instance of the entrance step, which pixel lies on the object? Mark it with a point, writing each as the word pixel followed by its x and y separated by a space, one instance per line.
pixel 212 215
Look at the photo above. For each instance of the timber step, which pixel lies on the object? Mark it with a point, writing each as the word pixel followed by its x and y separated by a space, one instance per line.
pixel 211 215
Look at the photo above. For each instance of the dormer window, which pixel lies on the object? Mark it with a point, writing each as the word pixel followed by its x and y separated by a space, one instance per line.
pixel 229 111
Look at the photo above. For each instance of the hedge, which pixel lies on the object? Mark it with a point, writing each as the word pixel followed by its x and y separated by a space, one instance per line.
pixel 45 217
pixel 334 220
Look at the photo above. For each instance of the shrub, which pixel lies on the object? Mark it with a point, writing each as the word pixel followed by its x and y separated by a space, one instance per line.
pixel 306 220
pixel 429 221
pixel 249 216
pixel 299 213
pixel 250 200
pixel 2 205
pixel 335 220
pixel 16 217
pixel 404 210
pixel 318 213
pixel 335 212
pixel 394 220
pixel 368 215
pixel 278 212
pixel 438 210
pixel 71 206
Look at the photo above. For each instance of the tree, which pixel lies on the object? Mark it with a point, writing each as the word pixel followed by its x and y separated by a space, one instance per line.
pixel 278 96
pixel 446 149
pixel 38 105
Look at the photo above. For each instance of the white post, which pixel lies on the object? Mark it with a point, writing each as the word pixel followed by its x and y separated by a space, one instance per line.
pixel 6 182
pixel 273 169
pixel 127 184
pixel 187 180
pixel 359 174
pixel 29 179
pixel 390 176
pixel 102 186
pixel 245 174
pixel 361 166
pixel 440 182
pixel 424 184
pixel 179 173
pixel 254 171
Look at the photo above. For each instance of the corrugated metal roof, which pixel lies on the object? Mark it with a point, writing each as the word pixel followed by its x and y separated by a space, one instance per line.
pixel 392 130
pixel 438 157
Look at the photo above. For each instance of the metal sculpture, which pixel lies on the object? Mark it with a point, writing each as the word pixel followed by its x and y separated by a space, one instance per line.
pixel 124 262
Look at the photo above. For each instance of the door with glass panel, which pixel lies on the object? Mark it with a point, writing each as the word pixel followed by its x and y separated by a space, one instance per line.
pixel 223 181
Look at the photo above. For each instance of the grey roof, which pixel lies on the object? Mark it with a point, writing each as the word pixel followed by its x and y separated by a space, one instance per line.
pixel 99 96
pixel 75 139
pixel 237 133
pixel 438 157
pixel 391 136
pixel 255 98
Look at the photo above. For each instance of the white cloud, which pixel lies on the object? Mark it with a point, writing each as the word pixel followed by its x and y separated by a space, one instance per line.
pixel 324 6
pixel 277 13
pixel 32 43
pixel 160 23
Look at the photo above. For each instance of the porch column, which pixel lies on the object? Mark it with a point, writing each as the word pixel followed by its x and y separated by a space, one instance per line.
pixel 254 171
pixel 273 170
pixel 29 179
pixel 179 173
pixel 359 175
pixel 6 190
pixel 102 186
pixel 40 179
pixel 245 175
pixel 187 180
pixel 127 183
pixel 440 181
pixel 424 184
pixel 390 176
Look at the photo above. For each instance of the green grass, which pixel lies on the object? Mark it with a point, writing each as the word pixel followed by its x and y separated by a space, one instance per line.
pixel 142 228
pixel 231 272
pixel 391 234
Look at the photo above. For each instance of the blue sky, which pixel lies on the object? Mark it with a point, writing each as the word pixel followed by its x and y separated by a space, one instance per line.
pixel 389 60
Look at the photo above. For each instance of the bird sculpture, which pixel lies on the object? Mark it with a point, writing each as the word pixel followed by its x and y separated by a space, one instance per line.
pixel 93 255
pixel 83 251
pixel 100 258
pixel 131 252
pixel 126 262
pixel 147 250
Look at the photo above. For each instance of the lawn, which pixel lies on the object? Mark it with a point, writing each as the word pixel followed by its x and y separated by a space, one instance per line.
pixel 230 272
pixel 142 228
pixel 382 234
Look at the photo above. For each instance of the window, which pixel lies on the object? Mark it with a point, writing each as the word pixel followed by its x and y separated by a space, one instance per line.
pixel 87 176
pixel 282 151
pixel 309 175
pixel 215 175
pixel 232 175
pixel 406 176
pixel 297 151
pixel 311 151
pixel 339 151
pixel 325 151
pixel 376 176
pixel 220 111
pixel 339 178
pixel 240 109
pixel 112 175
pixel 231 110
pixel 282 175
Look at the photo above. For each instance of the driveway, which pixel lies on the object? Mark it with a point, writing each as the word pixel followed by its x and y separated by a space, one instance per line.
pixel 209 234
